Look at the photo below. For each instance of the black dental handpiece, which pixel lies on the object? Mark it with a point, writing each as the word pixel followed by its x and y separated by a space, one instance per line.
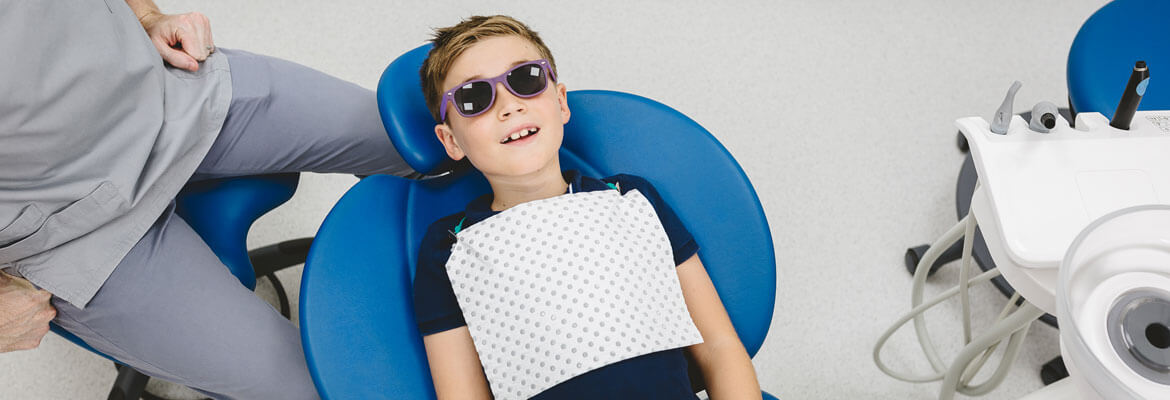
pixel 1134 90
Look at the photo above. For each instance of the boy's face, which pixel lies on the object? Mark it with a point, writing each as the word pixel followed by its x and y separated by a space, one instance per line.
pixel 485 138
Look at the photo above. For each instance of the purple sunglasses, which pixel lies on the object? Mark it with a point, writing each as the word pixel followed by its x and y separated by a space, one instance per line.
pixel 475 97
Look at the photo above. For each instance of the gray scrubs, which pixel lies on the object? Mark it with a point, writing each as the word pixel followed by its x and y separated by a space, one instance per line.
pixel 97 137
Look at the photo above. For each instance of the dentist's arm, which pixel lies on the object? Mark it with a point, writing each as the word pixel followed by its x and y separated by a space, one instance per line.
pixel 727 368
pixel 183 40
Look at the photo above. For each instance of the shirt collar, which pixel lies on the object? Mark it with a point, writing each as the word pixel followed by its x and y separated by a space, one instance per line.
pixel 481 208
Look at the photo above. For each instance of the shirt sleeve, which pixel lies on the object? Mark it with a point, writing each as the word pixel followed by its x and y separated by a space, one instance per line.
pixel 681 241
pixel 435 307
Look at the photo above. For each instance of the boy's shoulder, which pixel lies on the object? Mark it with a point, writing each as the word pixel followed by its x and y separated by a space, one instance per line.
pixel 451 220
pixel 625 178
pixel 441 233
pixel 627 182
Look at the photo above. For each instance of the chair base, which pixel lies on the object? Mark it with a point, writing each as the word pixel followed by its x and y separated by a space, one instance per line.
pixel 269 259
pixel 129 385
pixel 1053 371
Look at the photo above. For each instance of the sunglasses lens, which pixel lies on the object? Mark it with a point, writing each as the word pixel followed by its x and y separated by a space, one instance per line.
pixel 527 80
pixel 473 98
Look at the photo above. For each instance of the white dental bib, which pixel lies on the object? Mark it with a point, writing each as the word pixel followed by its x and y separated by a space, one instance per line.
pixel 554 288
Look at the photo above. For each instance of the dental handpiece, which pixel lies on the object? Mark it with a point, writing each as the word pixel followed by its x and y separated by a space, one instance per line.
pixel 1134 90
pixel 1043 117
pixel 1002 120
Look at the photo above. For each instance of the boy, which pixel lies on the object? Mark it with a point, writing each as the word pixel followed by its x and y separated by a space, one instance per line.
pixel 554 285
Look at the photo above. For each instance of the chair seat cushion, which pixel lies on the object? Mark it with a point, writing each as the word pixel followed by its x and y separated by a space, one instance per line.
pixel 222 211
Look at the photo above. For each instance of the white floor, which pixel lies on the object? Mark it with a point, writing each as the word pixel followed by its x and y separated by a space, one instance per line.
pixel 841 112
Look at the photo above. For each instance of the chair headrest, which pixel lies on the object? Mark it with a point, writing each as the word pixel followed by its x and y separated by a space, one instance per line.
pixel 405 115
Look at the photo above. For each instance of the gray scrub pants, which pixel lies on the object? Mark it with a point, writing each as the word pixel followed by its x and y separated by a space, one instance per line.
pixel 171 309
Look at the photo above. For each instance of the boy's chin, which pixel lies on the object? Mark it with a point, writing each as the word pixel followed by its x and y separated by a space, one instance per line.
pixel 519 170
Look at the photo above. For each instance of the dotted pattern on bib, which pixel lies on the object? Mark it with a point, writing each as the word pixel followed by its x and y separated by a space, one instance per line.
pixel 555 288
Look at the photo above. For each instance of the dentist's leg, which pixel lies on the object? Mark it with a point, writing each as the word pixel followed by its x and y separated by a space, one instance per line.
pixel 285 117
pixel 172 310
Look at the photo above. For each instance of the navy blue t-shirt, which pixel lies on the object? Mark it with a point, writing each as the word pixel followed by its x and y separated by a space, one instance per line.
pixel 659 375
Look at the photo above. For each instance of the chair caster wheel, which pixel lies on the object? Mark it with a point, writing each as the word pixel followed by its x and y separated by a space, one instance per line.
pixel 1053 371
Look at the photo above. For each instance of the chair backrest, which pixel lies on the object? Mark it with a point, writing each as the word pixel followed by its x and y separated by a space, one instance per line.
pixel 1105 49
pixel 356 311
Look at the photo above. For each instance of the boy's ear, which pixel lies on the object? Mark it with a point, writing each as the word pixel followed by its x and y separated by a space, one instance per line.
pixel 563 100
pixel 447 138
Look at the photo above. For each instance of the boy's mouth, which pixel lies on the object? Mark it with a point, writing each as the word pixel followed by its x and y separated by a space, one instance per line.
pixel 520 135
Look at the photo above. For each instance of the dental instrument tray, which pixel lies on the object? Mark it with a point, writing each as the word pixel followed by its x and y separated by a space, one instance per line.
pixel 1042 189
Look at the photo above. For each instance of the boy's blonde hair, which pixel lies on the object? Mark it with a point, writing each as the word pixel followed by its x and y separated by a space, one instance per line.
pixel 451 42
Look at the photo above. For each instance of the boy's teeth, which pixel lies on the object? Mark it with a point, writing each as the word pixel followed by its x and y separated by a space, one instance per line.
pixel 521 134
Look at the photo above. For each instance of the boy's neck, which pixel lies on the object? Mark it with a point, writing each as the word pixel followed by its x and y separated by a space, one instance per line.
pixel 544 183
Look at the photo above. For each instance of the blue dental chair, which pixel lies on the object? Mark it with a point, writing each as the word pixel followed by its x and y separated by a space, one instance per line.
pixel 221 211
pixel 357 318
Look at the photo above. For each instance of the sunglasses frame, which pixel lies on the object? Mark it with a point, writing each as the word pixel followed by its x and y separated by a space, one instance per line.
pixel 449 95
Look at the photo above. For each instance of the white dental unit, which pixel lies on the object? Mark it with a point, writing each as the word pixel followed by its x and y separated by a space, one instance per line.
pixel 1078 222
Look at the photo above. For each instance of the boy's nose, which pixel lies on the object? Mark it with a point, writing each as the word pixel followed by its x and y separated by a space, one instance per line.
pixel 509 104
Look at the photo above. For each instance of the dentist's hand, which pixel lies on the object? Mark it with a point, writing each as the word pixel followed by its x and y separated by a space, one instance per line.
pixel 183 40
pixel 24 314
